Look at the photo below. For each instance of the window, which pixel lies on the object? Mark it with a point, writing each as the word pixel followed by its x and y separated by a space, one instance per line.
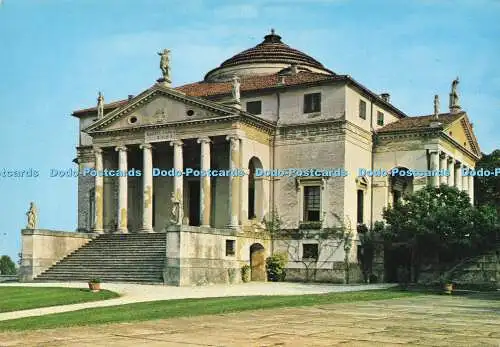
pixel 312 195
pixel 310 251
pixel 91 208
pixel 312 103
pixel 360 206
pixel 254 107
pixel 380 118
pixel 362 109
pixel 230 247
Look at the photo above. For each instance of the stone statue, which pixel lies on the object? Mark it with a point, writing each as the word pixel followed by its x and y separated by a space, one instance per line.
pixel 236 88
pixel 175 209
pixel 436 105
pixel 165 64
pixel 32 217
pixel 454 98
pixel 100 105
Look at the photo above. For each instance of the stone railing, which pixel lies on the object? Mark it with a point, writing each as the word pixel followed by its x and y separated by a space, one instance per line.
pixel 42 248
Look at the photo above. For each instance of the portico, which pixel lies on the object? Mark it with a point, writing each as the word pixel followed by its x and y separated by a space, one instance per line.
pixel 145 174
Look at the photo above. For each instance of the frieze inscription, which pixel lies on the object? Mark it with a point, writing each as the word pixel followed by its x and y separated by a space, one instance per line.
pixel 159 135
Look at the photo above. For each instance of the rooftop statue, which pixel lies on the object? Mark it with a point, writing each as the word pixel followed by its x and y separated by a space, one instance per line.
pixel 100 105
pixel 236 88
pixel 165 64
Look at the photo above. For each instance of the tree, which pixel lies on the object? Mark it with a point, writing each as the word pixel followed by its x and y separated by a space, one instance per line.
pixel 7 266
pixel 487 188
pixel 439 224
pixel 327 239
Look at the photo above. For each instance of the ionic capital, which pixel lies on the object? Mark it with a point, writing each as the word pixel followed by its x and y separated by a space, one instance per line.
pixel 97 150
pixel 121 148
pixel 145 146
pixel 232 138
pixel 176 143
pixel 204 139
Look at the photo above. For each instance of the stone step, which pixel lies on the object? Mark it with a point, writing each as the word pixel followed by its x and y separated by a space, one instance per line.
pixel 114 257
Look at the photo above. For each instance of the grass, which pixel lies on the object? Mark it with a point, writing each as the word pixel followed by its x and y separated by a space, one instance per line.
pixel 189 308
pixel 24 298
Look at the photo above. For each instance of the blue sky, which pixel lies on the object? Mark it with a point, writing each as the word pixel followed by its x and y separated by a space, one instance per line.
pixel 56 55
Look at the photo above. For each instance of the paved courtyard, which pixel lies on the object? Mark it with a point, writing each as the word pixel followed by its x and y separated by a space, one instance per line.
pixel 417 321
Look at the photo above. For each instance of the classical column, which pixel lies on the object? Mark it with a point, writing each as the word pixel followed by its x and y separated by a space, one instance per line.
pixel 458 176
pixel 205 192
pixel 465 181
pixel 99 193
pixel 434 166
pixel 442 167
pixel 234 186
pixel 451 170
pixel 122 190
pixel 147 188
pixel 471 188
pixel 178 194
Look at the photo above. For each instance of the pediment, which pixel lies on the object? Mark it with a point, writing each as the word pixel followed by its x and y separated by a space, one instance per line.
pixel 159 106
pixel 461 131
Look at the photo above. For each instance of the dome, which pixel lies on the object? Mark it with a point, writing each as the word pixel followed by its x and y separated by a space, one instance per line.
pixel 268 57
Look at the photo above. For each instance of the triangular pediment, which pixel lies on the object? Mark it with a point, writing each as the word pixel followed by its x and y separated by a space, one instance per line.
pixel 161 106
pixel 461 132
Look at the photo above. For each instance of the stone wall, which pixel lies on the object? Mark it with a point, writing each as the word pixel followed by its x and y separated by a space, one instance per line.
pixel 197 255
pixel 484 269
pixel 42 248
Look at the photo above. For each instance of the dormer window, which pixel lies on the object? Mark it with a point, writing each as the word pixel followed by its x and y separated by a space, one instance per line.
pixel 254 107
pixel 312 103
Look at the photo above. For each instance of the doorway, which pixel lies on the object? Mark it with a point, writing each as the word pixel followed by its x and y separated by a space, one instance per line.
pixel 194 202
pixel 258 262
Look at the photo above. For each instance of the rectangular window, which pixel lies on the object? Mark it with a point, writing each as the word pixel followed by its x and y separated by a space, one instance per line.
pixel 230 247
pixel 362 109
pixel 254 107
pixel 312 103
pixel 380 118
pixel 92 208
pixel 312 198
pixel 360 206
pixel 310 251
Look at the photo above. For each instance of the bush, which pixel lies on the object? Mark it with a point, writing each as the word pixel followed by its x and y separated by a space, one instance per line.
pixel 275 267
pixel 373 278
pixel 95 280
pixel 245 273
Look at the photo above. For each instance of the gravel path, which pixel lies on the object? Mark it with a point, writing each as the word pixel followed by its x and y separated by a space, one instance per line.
pixel 132 293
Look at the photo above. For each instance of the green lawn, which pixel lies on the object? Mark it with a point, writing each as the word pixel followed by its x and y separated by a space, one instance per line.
pixel 190 307
pixel 24 298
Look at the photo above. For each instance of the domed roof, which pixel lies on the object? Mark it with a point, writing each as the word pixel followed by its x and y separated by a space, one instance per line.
pixel 269 56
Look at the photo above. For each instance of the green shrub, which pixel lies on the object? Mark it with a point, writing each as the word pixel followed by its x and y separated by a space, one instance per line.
pixel 275 267
pixel 245 273
pixel 95 280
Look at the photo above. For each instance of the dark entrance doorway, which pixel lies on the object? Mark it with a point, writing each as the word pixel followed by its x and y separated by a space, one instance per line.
pixel 194 203
pixel 258 262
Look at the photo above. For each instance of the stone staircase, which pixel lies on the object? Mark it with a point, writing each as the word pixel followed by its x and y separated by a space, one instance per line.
pixel 137 258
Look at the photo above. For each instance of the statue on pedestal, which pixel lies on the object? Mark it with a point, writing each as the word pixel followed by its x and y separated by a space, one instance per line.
pixel 175 218
pixel 165 64
pixel 100 105
pixel 454 98
pixel 32 217
pixel 236 88
pixel 436 106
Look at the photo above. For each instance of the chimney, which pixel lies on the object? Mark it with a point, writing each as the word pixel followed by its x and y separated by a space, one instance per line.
pixel 386 97
pixel 130 96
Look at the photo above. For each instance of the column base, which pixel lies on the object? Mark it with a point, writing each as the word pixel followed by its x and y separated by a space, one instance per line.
pixel 98 231
pixel 121 231
pixel 146 230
